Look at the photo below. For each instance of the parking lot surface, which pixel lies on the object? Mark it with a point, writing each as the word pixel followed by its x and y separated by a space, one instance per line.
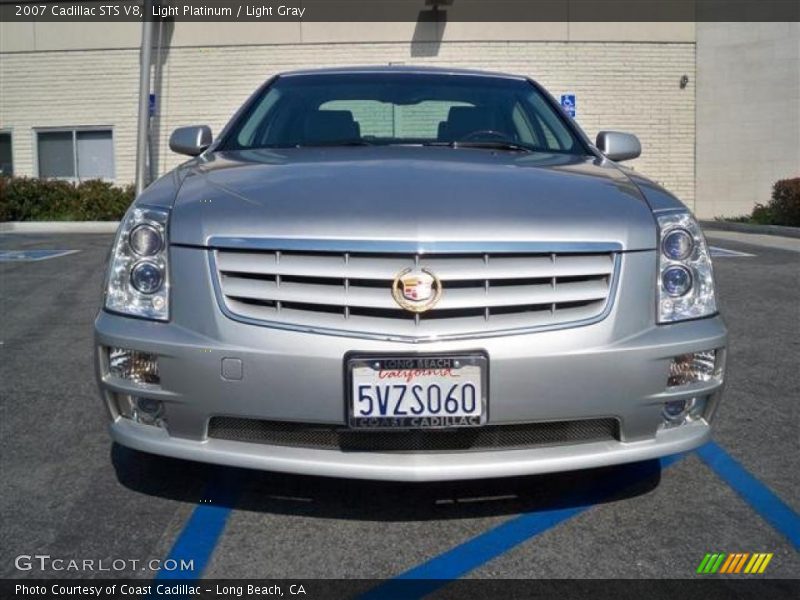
pixel 69 493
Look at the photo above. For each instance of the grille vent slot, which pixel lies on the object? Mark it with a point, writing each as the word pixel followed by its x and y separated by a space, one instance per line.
pixel 351 292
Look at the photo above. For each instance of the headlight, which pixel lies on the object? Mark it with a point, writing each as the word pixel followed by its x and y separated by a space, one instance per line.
pixel 147 277
pixel 678 244
pixel 138 275
pixel 677 281
pixel 685 276
pixel 145 240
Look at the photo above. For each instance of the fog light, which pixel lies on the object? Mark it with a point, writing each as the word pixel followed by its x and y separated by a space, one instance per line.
pixel 140 410
pixel 677 410
pixel 148 411
pixel 139 367
pixel 696 367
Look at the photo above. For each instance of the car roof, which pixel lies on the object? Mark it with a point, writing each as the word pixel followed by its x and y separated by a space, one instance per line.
pixel 395 69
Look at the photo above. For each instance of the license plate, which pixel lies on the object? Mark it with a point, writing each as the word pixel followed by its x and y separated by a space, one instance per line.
pixel 417 392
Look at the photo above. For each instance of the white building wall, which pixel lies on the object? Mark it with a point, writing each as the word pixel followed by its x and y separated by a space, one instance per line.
pixel 748 113
pixel 70 89
pixel 629 86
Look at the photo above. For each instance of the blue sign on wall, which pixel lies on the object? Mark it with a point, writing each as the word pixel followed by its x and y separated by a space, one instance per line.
pixel 152 105
pixel 569 104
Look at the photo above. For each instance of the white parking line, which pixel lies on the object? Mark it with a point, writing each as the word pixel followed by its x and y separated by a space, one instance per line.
pixel 32 255
pixel 755 239
pixel 717 252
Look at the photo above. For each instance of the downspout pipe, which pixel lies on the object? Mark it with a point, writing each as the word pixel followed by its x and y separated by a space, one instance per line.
pixel 143 126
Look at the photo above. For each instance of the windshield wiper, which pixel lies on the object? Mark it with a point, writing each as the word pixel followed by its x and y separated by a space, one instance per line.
pixel 489 144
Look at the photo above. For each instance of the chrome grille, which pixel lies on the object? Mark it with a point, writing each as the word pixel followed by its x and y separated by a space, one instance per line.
pixel 350 292
pixel 489 437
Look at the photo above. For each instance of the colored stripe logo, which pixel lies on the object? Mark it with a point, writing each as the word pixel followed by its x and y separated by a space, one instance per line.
pixel 735 563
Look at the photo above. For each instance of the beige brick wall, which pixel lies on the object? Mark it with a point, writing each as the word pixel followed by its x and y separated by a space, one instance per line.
pixel 626 86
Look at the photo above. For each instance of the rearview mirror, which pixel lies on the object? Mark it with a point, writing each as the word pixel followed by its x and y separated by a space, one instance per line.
pixel 190 140
pixel 618 146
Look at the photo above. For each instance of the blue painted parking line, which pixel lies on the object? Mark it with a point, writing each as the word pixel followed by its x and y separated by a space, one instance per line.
pixel 32 255
pixel 202 531
pixel 717 252
pixel 426 578
pixel 763 500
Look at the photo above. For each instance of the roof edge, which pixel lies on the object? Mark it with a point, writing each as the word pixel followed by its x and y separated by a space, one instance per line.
pixel 394 69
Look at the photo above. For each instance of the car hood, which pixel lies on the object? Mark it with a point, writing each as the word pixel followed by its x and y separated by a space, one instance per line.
pixel 411 194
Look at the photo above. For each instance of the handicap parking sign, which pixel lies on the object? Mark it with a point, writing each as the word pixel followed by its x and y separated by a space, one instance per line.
pixel 568 103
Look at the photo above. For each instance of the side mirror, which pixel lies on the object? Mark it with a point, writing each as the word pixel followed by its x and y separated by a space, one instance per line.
pixel 190 140
pixel 618 146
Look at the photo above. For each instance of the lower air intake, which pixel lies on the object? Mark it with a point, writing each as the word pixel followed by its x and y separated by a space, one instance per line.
pixel 490 437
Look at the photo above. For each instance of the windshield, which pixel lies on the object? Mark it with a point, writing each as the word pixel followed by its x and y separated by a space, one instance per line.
pixel 402 108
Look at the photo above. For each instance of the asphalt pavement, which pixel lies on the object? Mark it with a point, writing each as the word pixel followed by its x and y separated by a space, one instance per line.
pixel 69 493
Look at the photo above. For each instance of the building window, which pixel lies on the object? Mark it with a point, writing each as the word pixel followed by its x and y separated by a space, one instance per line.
pixel 76 154
pixel 6 158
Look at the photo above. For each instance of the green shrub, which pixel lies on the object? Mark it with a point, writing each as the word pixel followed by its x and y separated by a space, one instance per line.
pixel 785 204
pixel 101 201
pixel 762 215
pixel 783 208
pixel 26 199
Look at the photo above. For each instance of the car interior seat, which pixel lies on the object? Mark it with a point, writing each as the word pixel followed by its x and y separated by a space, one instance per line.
pixel 463 120
pixel 324 126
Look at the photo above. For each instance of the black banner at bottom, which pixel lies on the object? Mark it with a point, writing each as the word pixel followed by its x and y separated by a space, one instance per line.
pixel 404 589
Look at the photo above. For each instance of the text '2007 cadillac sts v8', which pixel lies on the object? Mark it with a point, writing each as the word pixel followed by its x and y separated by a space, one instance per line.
pixel 408 274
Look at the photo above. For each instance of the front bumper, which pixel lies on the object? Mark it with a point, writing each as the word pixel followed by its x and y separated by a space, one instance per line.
pixel 299 377
pixel 411 467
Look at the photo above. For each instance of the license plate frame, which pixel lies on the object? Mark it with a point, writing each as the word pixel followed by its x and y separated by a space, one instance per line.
pixel 400 361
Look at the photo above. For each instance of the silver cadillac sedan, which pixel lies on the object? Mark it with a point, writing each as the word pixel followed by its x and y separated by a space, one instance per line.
pixel 408 274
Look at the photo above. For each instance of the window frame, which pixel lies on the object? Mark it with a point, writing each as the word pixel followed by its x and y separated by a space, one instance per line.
pixel 10 132
pixel 74 130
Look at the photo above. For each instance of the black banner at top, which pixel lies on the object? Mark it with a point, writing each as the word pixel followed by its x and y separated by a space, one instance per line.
pixel 403 10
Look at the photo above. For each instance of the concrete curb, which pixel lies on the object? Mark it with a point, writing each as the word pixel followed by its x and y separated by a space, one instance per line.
pixel 792 232
pixel 59 227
